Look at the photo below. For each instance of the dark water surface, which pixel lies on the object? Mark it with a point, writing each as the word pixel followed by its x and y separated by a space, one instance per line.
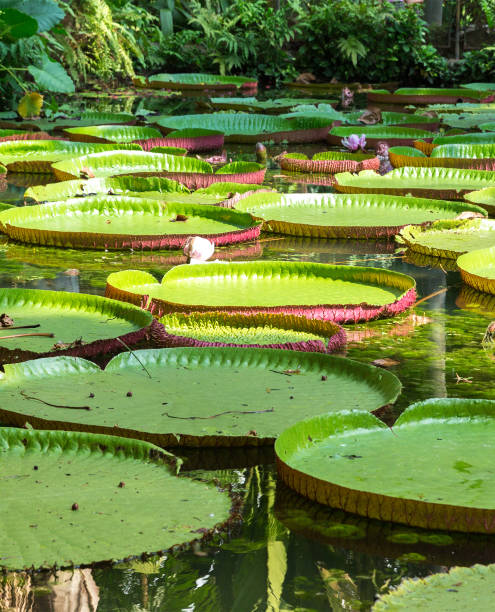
pixel 289 553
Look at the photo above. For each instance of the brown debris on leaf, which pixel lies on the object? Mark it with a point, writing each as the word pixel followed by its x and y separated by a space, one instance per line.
pixel 71 272
pixel 469 214
pixel 62 346
pixel 489 336
pixel 385 362
pixel 6 320
pixel 371 116
pixel 86 173
pixel 305 78
pixel 179 218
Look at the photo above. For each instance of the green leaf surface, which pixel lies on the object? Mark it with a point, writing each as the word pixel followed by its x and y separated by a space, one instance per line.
pixel 119 215
pixel 359 210
pixel 68 316
pixel 409 178
pixel 439 91
pixel 467 121
pixel 449 238
pixel 473 138
pixel 241 123
pixel 479 86
pixel 52 76
pixel 118 185
pixel 110 163
pixel 16 24
pixel 251 103
pixel 114 133
pixel 456 590
pixel 70 509
pixel 463 107
pixel 46 12
pixel 464 151
pixel 380 131
pixel 358 452
pixel 488 126
pixel 480 261
pixel 193 78
pixel 237 329
pixel 267 283
pixel 391 118
pixel 185 395
pixel 51 150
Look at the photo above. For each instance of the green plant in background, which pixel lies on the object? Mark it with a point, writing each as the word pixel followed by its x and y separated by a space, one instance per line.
pixel 375 42
pixel 477 65
pixel 26 47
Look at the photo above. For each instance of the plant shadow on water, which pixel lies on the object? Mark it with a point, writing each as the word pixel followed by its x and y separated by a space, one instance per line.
pixel 289 553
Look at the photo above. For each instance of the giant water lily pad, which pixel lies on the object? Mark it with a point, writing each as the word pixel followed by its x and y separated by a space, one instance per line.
pixel 476 156
pixel 441 183
pixel 119 222
pixel 459 589
pixel 39 155
pixel 449 238
pixel 81 324
pixel 82 498
pixel 85 119
pixel 472 138
pixel 375 133
pixel 467 121
pixel 317 291
pixel 147 137
pixel 329 162
pixel 262 331
pixel 349 461
pixel 191 172
pixel 195 81
pixel 247 127
pixel 411 120
pixel 178 395
pixel 427 95
pixel 344 216
pixel 483 197
pixel 478 268
pixel 247 104
pixel 118 185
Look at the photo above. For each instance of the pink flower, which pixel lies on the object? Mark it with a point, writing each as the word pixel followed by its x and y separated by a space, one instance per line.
pixel 198 249
pixel 354 142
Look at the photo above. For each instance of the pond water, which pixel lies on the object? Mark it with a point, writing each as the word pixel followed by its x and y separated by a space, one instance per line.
pixel 288 553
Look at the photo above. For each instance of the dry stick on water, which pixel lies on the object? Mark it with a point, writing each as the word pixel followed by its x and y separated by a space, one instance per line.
pixel 23 326
pixel 213 416
pixel 27 336
pixel 30 397
pixel 434 294
pixel 134 355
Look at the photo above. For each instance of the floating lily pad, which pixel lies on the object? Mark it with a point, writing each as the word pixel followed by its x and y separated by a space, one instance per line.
pixel 344 216
pixel 85 119
pixel 277 105
pixel 479 86
pixel 178 394
pixel 426 95
pixel 329 162
pixel 375 133
pixel 121 222
pixel 477 157
pixel 488 126
pixel 96 321
pixel 449 238
pixel 478 268
pixel 483 197
pixel 118 185
pixel 464 108
pixel 348 461
pixel 195 81
pixel 317 291
pixel 195 139
pixel 39 155
pixel 419 122
pixel 441 183
pixel 460 588
pixel 467 121
pixel 261 331
pixel 3 170
pixel 471 138
pixel 247 127
pixel 189 171
pixel 83 498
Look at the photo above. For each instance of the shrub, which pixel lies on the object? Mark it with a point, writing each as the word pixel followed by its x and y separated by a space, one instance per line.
pixel 477 66
pixel 367 40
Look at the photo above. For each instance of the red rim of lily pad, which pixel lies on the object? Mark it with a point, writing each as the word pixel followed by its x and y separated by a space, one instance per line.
pixel 401 160
pixel 329 166
pixel 338 313
pixel 336 337
pixel 196 180
pixel 107 346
